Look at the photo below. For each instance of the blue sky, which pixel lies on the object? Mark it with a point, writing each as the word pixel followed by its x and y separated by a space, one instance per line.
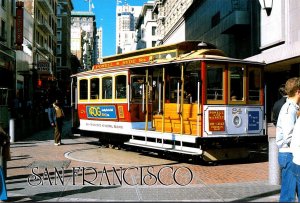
pixel 105 11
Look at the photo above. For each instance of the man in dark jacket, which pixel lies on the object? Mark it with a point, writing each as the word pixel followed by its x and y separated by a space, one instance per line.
pixel 278 104
pixel 56 115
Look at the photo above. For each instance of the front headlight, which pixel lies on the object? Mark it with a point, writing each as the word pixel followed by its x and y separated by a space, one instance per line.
pixel 237 121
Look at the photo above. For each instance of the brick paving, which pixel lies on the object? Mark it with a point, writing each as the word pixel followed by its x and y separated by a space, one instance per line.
pixel 228 181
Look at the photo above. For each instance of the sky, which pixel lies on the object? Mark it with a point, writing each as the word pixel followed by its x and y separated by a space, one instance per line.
pixel 105 11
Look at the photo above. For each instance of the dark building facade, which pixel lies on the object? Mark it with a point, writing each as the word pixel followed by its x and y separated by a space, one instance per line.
pixel 231 25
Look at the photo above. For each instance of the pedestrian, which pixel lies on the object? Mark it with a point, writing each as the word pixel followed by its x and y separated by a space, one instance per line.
pixel 278 104
pixel 5 156
pixel 284 131
pixel 56 116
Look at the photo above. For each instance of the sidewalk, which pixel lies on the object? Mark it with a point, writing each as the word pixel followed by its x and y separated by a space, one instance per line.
pixel 37 155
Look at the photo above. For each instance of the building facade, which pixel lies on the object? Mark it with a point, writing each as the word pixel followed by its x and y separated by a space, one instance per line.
pixel 231 25
pixel 146 27
pixel 24 61
pixel 279 45
pixel 63 50
pixel 83 35
pixel 99 45
pixel 7 58
pixel 44 46
pixel 126 17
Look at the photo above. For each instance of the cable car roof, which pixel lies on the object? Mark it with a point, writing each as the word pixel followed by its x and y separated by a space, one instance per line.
pixel 201 54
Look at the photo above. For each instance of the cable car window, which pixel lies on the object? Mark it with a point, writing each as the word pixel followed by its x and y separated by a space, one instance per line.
pixel 137 86
pixel 174 81
pixel 94 88
pixel 254 76
pixel 215 82
pixel 83 89
pixel 107 87
pixel 120 87
pixel 236 83
pixel 191 79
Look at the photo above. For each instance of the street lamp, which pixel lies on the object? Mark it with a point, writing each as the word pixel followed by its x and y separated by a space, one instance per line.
pixel 267 5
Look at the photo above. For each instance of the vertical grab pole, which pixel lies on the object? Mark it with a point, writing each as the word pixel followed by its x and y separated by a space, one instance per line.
pixel 164 99
pixel 182 100
pixel 163 102
pixel 203 91
pixel 143 98
pixel 147 98
pixel 178 105
pixel 159 98
pixel 128 98
pixel 198 107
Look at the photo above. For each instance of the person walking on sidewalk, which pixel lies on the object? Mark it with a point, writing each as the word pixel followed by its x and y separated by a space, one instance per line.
pixel 56 116
pixel 284 131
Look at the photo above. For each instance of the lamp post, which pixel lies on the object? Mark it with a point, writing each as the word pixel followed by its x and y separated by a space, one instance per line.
pixel 267 5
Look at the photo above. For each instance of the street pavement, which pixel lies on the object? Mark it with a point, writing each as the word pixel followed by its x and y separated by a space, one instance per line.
pixel 83 170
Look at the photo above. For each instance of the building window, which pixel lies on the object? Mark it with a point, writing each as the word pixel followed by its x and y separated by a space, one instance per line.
pixel 58 61
pixel 58 49
pixel 215 20
pixel 58 35
pixel 153 43
pixel 58 10
pixel 59 25
pixel 153 30
pixel 3 3
pixel 2 30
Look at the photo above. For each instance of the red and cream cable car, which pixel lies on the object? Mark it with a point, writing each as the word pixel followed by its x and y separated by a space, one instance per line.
pixel 179 98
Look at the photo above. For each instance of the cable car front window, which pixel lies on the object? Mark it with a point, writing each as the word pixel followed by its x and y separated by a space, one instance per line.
pixel 237 83
pixel 254 84
pixel 215 82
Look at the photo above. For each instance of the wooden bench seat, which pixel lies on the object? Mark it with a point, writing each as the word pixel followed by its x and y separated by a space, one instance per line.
pixel 173 119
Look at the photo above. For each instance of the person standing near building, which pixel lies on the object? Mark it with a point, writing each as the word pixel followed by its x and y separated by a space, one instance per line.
pixel 284 131
pixel 56 116
pixel 278 104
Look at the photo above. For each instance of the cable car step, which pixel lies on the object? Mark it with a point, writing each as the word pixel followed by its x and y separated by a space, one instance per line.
pixel 164 147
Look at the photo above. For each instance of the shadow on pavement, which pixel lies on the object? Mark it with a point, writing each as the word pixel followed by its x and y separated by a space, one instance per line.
pixel 50 196
pixel 255 197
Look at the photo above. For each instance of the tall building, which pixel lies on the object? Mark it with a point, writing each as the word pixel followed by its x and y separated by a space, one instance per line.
pixel 44 45
pixel 170 17
pixel 126 17
pixel 146 26
pixel 63 50
pixel 83 35
pixel 99 45
pixel 231 25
